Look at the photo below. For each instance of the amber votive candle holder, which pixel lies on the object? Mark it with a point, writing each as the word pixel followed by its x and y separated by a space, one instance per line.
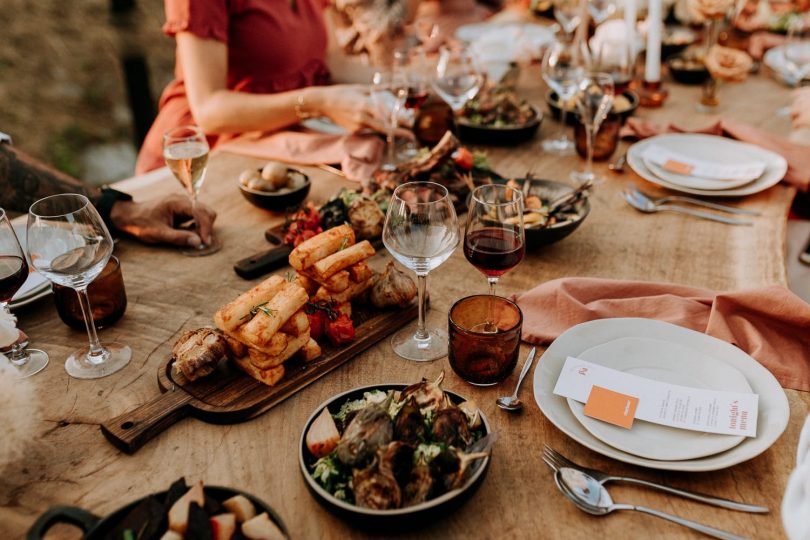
pixel 108 299
pixel 484 358
pixel 604 142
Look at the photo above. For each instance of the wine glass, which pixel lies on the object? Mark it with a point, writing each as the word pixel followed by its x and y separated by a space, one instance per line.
pixel 494 239
pixel 563 65
pixel 600 10
pixel 567 13
pixel 594 98
pixel 414 68
pixel 421 232
pixel 69 244
pixel 617 58
pixel 13 273
pixel 388 92
pixel 457 78
pixel 185 150
pixel 796 51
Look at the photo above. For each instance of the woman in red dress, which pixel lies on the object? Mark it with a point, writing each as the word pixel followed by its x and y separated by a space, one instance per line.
pixel 250 65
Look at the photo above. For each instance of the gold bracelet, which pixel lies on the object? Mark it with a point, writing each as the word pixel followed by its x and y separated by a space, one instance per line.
pixel 300 107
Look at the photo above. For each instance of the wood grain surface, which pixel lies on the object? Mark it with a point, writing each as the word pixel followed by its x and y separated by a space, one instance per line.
pixel 71 463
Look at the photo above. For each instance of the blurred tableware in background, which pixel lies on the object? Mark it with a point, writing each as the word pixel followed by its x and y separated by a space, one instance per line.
pixel 563 66
pixel 457 77
pixel 605 141
pixel 687 68
pixel 567 13
pixel 389 90
pixel 108 298
pixel 484 358
pixel 594 100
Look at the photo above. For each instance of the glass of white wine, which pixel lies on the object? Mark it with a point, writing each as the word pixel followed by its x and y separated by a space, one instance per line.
pixel 185 150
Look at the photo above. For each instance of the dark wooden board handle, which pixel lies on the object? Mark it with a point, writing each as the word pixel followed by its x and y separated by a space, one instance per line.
pixel 133 429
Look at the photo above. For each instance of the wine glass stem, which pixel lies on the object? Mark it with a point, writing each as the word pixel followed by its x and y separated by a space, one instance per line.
pixel 589 132
pixel 96 354
pixel 19 355
pixel 421 287
pixel 389 145
pixel 493 281
pixel 563 114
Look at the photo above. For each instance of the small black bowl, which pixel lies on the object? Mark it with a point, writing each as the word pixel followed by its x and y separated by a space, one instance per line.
pixel 548 190
pixel 687 69
pixel 676 40
pixel 96 528
pixel 284 200
pixel 553 102
pixel 400 519
pixel 500 136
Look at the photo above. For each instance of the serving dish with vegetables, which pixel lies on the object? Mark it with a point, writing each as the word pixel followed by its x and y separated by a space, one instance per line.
pixel 498 117
pixel 395 455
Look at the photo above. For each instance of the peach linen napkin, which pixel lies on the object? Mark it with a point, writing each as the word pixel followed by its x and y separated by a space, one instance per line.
pixel 797 155
pixel 358 155
pixel 769 323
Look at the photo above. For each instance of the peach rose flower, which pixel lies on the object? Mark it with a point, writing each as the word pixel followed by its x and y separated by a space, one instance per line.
pixel 709 9
pixel 727 64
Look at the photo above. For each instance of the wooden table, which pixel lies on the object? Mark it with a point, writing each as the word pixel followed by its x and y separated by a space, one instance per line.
pixel 72 464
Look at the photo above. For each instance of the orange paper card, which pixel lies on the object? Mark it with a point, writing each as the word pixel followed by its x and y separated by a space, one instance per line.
pixel 678 167
pixel 612 407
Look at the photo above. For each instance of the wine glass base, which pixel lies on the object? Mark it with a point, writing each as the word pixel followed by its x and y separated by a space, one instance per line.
pixel 562 146
pixel 408 347
pixel 204 250
pixel 36 362
pixel 79 366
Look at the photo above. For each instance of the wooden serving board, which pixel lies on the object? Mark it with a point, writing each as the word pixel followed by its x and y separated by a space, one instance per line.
pixel 229 396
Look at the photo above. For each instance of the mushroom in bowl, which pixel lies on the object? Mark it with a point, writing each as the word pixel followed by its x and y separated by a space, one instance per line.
pixel 275 187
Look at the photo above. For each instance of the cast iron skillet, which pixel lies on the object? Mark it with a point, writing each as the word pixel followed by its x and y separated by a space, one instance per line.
pixel 96 528
pixel 400 519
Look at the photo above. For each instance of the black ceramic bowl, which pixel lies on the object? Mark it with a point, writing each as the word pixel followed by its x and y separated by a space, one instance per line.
pixel 500 136
pixel 97 528
pixel 687 70
pixel 283 200
pixel 548 190
pixel 388 521
pixel 553 102
pixel 676 40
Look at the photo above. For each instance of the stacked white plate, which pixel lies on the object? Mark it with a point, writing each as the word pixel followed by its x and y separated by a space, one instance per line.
pixel 36 286
pixel 718 167
pixel 668 353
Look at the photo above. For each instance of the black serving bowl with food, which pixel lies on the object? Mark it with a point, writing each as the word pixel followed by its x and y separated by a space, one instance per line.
pixel 393 520
pixel 624 105
pixel 284 199
pixel 500 135
pixel 538 235
pixel 687 69
pixel 676 40
pixel 103 528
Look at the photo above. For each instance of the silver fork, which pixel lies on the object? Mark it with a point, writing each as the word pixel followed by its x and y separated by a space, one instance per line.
pixel 556 460
pixel 699 202
pixel 642 203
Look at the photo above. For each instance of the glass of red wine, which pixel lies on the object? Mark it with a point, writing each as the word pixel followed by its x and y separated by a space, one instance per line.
pixel 13 273
pixel 494 239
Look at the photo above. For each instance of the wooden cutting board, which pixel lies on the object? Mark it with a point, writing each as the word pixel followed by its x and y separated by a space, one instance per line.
pixel 229 396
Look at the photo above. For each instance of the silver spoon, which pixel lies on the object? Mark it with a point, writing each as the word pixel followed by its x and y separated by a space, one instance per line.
pixel 644 204
pixel 512 403
pixel 618 165
pixel 591 497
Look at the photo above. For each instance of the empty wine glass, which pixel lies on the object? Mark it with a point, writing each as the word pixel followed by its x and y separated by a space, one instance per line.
pixel 388 92
pixel 13 273
pixel 413 65
pixel 563 65
pixel 796 51
pixel 457 78
pixel 185 150
pixel 600 10
pixel 567 13
pixel 69 244
pixel 494 237
pixel 421 232
pixel 594 98
pixel 617 58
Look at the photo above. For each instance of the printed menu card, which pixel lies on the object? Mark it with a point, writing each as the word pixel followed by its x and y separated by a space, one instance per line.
pixel 618 397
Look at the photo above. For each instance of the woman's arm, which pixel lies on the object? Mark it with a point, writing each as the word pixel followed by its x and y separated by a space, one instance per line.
pixel 217 109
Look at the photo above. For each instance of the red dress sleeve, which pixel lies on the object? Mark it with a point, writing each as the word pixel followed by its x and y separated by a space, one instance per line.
pixel 207 19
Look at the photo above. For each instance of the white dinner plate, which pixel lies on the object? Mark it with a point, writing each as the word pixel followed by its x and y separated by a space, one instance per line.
pixel 774 170
pixel 694 182
pixel 36 285
pixel 775 59
pixel 671 363
pixel 773 404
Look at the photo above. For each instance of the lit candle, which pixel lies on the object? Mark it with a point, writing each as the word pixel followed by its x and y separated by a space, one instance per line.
pixel 652 68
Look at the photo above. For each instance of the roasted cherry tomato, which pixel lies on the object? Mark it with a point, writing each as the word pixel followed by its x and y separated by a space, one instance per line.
pixel 317 324
pixel 340 330
pixel 463 158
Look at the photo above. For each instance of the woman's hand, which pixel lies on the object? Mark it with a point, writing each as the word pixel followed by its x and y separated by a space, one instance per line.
pixel 349 106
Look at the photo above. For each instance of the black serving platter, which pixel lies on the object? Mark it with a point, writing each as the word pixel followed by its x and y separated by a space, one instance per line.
pixel 284 200
pixel 400 519
pixel 553 103
pixel 500 136
pixel 548 190
pixel 103 528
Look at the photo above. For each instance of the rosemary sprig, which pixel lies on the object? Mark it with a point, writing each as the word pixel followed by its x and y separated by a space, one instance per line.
pixel 260 307
pixel 344 243
pixel 290 276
